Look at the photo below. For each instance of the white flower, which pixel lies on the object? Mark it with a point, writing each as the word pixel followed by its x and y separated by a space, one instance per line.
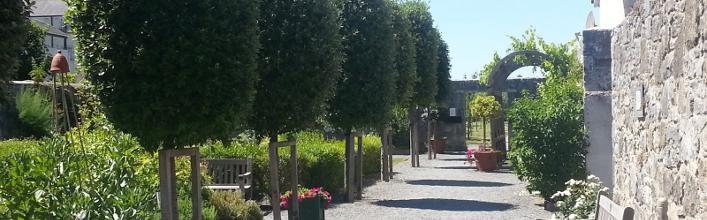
pixel 81 215
pixel 38 195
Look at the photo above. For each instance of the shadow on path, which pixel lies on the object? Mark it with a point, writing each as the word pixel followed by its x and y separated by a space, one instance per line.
pixel 460 183
pixel 446 205
pixel 455 167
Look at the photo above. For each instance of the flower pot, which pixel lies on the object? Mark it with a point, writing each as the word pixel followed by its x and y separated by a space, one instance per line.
pixel 438 145
pixel 310 208
pixel 486 161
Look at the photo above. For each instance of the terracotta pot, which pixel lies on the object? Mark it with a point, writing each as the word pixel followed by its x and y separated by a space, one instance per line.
pixel 486 161
pixel 438 145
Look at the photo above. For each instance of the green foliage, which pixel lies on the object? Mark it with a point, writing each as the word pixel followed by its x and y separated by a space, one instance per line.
pixel 443 81
pixel 38 73
pixel 14 30
pixel 400 127
pixel 549 137
pixel 112 179
pixel 299 64
pixel 184 207
pixel 427 45
pixel 405 61
pixel 8 147
pixel 35 111
pixel 230 205
pixel 488 68
pixel 170 74
pixel 484 107
pixel 34 53
pixel 320 161
pixel 366 94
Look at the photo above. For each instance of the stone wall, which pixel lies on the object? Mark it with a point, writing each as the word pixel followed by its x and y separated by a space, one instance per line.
pixel 660 151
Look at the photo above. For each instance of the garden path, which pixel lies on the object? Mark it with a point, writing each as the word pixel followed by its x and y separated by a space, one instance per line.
pixel 443 188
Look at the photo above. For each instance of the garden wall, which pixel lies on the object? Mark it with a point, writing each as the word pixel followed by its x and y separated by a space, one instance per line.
pixel 661 151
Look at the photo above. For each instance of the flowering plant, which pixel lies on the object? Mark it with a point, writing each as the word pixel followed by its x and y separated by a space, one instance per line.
pixel 303 193
pixel 579 200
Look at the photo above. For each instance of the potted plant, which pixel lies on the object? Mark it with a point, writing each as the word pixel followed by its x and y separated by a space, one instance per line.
pixel 438 144
pixel 312 203
pixel 485 108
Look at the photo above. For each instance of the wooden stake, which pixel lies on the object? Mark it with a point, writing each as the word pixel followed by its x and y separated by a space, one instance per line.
pixel 294 208
pixel 274 179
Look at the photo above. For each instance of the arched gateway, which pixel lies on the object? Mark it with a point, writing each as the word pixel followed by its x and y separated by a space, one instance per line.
pixel 497 85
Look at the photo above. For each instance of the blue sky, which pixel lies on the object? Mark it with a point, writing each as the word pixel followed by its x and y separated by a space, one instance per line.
pixel 474 29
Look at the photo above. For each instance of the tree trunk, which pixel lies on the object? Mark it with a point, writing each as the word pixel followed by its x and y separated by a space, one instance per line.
pixel 483 141
pixel 349 166
pixel 274 179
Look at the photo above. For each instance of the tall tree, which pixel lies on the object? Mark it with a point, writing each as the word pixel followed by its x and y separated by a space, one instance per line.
pixel 299 64
pixel 34 52
pixel 405 61
pixel 171 74
pixel 443 81
pixel 14 31
pixel 427 45
pixel 366 93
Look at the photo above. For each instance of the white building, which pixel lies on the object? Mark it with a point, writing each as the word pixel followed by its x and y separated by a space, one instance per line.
pixel 50 15
pixel 612 12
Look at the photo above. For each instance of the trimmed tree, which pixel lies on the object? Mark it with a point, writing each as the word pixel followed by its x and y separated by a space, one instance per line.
pixel 426 47
pixel 14 30
pixel 443 81
pixel 299 65
pixel 172 75
pixel 405 59
pixel 484 108
pixel 366 93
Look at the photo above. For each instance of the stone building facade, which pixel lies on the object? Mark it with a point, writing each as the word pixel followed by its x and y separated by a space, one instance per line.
pixel 659 99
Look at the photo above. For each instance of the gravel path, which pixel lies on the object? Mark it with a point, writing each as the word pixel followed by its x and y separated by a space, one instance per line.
pixel 445 188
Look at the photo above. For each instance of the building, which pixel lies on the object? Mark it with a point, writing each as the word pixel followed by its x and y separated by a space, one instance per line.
pixel 50 15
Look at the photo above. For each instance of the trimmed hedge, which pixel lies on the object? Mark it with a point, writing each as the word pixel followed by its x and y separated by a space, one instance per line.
pixel 320 162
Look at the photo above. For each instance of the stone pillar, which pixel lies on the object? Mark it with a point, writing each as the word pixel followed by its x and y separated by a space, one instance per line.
pixel 597 103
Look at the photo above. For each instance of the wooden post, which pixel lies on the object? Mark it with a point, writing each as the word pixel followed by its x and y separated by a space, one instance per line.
pixel 389 152
pixel 274 179
pixel 384 156
pixel 349 167
pixel 168 194
pixel 429 139
pixel 195 186
pixel 168 182
pixel 294 187
pixel 412 144
pixel 359 167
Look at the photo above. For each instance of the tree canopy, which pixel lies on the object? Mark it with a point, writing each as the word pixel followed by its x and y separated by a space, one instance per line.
pixel 443 81
pixel 34 53
pixel 299 64
pixel 427 45
pixel 171 74
pixel 366 93
pixel 14 31
pixel 405 61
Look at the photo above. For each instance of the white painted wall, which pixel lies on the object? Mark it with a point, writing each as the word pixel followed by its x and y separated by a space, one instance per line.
pixel 612 12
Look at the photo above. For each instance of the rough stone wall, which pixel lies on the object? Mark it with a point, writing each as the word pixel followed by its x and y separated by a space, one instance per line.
pixel 660 50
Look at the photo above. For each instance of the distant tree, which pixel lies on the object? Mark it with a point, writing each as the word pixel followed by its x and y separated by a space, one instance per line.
pixel 299 64
pixel 427 45
pixel 484 108
pixel 443 81
pixel 366 93
pixel 171 74
pixel 34 52
pixel 14 31
pixel 405 62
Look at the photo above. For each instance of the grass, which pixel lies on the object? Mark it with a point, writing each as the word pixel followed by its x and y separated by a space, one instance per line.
pixel 399 160
pixel 477 134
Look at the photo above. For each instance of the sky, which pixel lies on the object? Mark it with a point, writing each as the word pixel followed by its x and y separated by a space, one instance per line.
pixel 474 29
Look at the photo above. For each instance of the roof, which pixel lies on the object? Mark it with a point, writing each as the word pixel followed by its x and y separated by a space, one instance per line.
pixel 49 8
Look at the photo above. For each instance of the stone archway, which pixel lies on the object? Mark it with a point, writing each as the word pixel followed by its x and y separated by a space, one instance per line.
pixel 497 85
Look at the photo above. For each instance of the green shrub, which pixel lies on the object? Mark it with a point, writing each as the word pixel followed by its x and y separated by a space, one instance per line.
pixel 15 146
pixel 35 111
pixel 548 137
pixel 320 162
pixel 230 205
pixel 56 181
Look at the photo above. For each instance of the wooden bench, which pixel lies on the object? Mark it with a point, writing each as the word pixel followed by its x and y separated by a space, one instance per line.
pixel 608 210
pixel 231 174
